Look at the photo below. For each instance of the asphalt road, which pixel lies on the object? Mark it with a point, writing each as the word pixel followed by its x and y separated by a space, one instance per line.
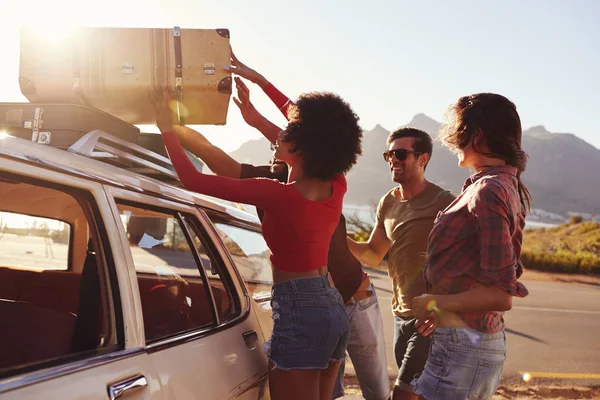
pixel 555 330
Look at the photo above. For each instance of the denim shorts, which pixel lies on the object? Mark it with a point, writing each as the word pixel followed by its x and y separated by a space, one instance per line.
pixel 463 364
pixel 310 325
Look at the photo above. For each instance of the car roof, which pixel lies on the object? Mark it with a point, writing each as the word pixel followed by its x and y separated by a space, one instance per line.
pixel 76 164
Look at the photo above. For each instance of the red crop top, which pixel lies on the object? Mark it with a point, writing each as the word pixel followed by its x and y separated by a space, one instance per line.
pixel 298 240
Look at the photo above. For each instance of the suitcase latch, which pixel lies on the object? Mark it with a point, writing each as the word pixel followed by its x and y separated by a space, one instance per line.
pixel 127 68
pixel 35 126
pixel 44 137
pixel 209 69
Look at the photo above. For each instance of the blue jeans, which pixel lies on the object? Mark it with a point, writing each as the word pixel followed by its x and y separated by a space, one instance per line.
pixel 366 349
pixel 310 325
pixel 463 364
pixel 411 350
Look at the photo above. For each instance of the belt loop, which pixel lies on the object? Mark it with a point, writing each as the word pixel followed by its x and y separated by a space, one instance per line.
pixel 293 285
pixel 454 335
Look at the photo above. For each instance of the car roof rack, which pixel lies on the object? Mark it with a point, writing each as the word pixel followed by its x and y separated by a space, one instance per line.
pixel 108 148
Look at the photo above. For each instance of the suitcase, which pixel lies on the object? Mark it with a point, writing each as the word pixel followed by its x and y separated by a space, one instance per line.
pixel 112 69
pixel 60 125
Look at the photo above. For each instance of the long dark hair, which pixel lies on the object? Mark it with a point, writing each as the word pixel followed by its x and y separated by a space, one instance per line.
pixel 497 119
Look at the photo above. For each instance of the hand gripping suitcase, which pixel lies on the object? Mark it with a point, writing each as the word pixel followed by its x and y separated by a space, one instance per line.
pixel 112 69
pixel 60 125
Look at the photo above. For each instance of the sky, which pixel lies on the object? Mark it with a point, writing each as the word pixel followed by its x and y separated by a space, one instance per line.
pixel 389 59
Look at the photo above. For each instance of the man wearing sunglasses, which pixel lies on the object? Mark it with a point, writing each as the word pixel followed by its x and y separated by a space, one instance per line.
pixel 404 219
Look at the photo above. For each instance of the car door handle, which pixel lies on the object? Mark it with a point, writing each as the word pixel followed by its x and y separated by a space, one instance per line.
pixel 251 339
pixel 129 385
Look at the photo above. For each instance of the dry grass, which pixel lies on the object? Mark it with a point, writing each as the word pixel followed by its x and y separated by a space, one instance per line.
pixel 571 248
pixel 566 249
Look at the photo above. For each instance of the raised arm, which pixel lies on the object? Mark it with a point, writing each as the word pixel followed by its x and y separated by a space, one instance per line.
pixel 261 192
pixel 216 159
pixel 279 99
pixel 251 114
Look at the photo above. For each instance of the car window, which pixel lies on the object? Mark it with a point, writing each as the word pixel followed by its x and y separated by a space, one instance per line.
pixel 218 279
pixel 53 270
pixel 33 242
pixel 250 254
pixel 173 292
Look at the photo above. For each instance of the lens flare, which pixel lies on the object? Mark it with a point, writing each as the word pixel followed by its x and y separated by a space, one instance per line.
pixel 527 377
pixel 3 135
pixel 432 306
pixel 179 109
pixel 473 336
pixel 53 34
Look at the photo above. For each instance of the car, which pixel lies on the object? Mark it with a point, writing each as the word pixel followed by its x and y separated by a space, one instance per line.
pixel 116 282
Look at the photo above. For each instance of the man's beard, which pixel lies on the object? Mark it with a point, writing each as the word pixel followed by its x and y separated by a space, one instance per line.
pixel 403 178
pixel 399 178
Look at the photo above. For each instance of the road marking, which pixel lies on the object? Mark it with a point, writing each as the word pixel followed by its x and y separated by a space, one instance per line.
pixel 560 310
pixel 529 308
pixel 559 375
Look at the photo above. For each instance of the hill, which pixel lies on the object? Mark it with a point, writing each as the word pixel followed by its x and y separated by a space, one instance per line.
pixel 562 173
pixel 573 247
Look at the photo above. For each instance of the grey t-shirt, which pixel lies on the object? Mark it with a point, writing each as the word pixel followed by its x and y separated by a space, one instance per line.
pixel 407 224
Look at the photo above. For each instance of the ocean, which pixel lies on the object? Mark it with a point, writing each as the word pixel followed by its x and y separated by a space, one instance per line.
pixel 366 214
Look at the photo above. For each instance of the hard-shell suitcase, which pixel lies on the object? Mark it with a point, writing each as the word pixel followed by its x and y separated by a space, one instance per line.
pixel 112 69
pixel 60 125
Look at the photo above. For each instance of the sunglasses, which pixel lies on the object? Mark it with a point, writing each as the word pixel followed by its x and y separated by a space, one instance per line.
pixel 400 154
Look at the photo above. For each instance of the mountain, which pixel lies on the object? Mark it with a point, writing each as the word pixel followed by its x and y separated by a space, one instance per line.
pixel 257 152
pixel 563 173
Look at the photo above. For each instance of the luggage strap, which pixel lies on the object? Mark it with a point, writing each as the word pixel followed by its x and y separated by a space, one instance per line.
pixel 178 73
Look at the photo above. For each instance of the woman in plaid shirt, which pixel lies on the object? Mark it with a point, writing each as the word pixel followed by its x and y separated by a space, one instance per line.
pixel 473 253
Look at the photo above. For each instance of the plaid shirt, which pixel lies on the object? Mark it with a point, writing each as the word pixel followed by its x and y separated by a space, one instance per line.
pixel 476 241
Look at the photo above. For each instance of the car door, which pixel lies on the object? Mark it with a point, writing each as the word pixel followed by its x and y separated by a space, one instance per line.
pixel 200 333
pixel 65 290
pixel 251 256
